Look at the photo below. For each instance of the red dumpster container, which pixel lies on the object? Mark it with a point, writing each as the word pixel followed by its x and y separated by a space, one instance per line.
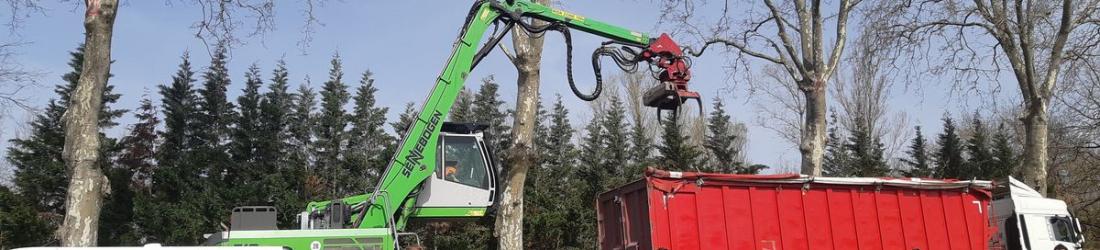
pixel 684 210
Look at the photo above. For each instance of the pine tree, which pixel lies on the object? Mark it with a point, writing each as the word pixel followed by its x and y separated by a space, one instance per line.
pixel 302 154
pixel 917 161
pixel 837 161
pixel 283 182
pixel 368 139
pixel 641 145
pixel 20 225
pixel 721 142
pixel 331 130
pixel 247 188
pixel 1005 157
pixel 179 103
pixel 218 173
pixel 463 108
pixel 560 151
pixel 616 144
pixel 139 148
pixel 676 152
pixel 866 151
pixel 40 173
pixel 547 201
pixel 164 212
pixel 489 109
pixel 949 156
pixel 588 177
pixel 979 163
pixel 404 121
pixel 129 178
pixel 215 119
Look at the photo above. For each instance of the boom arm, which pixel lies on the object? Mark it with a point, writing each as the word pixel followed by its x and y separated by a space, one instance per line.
pixel 392 201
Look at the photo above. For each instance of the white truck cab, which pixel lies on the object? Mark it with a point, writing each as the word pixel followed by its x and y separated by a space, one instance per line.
pixel 1027 220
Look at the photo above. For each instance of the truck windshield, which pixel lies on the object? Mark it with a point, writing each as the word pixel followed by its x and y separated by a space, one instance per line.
pixel 1063 230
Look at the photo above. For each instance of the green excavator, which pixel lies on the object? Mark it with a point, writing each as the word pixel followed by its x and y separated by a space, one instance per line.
pixel 443 170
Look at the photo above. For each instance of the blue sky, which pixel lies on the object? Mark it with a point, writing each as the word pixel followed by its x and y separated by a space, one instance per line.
pixel 404 43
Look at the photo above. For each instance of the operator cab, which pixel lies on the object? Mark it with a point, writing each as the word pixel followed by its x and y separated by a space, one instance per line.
pixel 464 181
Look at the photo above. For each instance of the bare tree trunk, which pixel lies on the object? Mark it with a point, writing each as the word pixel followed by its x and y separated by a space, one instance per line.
pixel 1035 146
pixel 88 184
pixel 812 144
pixel 521 156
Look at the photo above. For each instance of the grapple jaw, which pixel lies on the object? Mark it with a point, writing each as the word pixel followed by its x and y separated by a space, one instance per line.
pixel 668 96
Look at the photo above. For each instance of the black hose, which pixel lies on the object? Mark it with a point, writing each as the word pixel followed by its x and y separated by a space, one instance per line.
pixel 627 63
pixel 569 69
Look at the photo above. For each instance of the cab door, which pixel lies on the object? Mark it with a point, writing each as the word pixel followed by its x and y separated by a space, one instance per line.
pixel 463 184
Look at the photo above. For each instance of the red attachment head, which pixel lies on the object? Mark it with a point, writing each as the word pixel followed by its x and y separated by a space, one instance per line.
pixel 674 75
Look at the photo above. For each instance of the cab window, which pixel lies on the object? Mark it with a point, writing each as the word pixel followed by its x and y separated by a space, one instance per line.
pixel 1062 229
pixel 463 162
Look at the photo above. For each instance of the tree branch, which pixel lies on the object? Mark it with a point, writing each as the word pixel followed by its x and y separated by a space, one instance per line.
pixel 841 37
pixel 1056 51
pixel 786 40
pixel 511 57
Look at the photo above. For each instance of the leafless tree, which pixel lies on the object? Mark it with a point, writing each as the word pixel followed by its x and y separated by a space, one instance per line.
pixel 634 86
pixel 527 59
pixel 1075 143
pixel 863 94
pixel 14 79
pixel 790 34
pixel 228 21
pixel 1032 40
pixel 782 106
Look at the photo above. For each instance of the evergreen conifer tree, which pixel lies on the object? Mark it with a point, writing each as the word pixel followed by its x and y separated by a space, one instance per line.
pixel 866 151
pixel 129 178
pixel 40 173
pixel 179 103
pixel 721 142
pixel 560 150
pixel 245 144
pixel 677 154
pixel 1005 157
pixel 980 162
pixel 139 148
pixel 489 109
pixel 463 108
pixel 949 156
pixel 20 225
pixel 837 161
pixel 917 160
pixel 216 116
pixel 283 182
pixel 215 121
pixel 331 131
pixel 404 121
pixel 368 139
pixel 641 145
pixel 302 156
pixel 587 176
pixel 616 145
pixel 163 212
pixel 549 205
